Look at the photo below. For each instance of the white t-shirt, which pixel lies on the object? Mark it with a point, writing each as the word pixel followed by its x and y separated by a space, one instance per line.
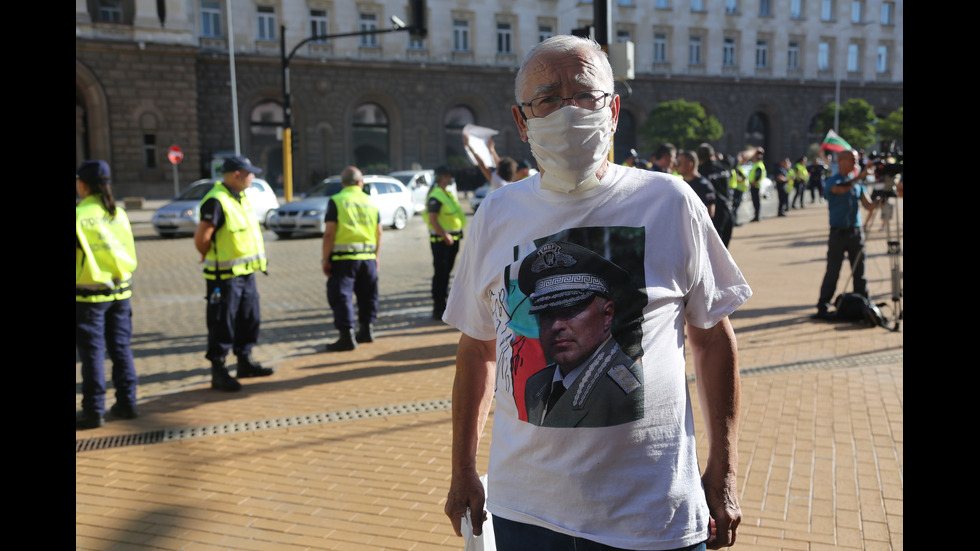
pixel 634 485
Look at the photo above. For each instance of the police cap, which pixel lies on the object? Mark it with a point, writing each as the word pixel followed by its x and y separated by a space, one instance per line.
pixel 563 275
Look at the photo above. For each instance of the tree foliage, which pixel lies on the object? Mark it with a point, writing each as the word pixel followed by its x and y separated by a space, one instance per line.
pixel 682 123
pixel 858 123
pixel 890 127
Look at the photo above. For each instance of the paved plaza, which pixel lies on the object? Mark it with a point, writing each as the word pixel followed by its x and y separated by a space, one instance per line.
pixel 350 451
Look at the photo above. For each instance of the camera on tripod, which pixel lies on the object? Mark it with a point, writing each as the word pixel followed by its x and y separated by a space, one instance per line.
pixel 888 167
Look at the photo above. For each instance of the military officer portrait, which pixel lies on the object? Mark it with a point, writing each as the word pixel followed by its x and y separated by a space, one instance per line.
pixel 589 381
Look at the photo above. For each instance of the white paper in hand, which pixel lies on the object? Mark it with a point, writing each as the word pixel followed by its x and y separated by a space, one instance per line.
pixel 485 541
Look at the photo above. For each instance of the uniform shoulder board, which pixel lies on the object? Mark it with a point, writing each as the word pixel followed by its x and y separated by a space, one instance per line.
pixel 624 378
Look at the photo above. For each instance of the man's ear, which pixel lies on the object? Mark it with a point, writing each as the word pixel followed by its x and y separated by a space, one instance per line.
pixel 615 112
pixel 520 121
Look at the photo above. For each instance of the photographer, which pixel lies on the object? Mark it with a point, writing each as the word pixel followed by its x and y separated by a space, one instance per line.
pixel 845 192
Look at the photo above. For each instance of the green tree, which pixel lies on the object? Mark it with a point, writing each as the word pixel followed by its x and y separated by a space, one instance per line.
pixel 890 127
pixel 682 123
pixel 858 123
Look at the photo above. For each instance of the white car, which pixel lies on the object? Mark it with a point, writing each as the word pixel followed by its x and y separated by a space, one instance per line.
pixel 307 215
pixel 419 182
pixel 181 216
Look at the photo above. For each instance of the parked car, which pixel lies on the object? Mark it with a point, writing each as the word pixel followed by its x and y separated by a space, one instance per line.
pixel 181 216
pixel 306 216
pixel 418 182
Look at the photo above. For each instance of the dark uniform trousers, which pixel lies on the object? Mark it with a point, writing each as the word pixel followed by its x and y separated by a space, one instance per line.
pixel 443 258
pixel 102 327
pixel 233 324
pixel 349 279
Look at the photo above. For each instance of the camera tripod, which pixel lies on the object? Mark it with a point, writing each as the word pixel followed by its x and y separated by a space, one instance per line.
pixel 889 216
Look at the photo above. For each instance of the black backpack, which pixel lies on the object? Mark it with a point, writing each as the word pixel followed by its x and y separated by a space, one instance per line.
pixel 855 307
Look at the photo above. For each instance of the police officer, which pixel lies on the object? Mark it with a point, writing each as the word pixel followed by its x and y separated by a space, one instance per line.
pixel 756 174
pixel 591 382
pixel 350 260
pixel 105 258
pixel 230 242
pixel 446 220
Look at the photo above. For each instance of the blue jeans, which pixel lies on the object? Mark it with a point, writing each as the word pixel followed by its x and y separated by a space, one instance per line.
pixel 102 327
pixel 517 536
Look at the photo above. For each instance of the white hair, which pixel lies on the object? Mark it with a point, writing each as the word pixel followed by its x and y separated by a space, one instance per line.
pixel 563 44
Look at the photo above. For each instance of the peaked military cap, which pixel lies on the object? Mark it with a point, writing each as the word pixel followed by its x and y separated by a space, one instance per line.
pixel 563 275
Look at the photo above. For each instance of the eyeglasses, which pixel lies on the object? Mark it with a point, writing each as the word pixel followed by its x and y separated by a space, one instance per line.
pixel 543 106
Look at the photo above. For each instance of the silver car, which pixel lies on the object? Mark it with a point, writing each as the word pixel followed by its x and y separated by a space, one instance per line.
pixel 418 182
pixel 181 216
pixel 307 216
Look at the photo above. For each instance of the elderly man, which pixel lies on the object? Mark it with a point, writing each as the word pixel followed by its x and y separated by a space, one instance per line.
pixel 630 480
pixel 350 260
pixel 845 194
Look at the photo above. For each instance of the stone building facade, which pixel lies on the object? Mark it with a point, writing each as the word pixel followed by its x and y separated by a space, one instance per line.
pixel 153 73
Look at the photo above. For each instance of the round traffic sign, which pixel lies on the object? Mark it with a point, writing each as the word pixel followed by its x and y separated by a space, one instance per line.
pixel 175 154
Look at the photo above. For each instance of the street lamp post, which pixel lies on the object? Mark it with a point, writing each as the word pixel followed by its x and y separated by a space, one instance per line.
pixel 287 152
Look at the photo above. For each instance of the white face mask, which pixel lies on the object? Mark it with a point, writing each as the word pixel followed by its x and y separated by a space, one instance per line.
pixel 570 145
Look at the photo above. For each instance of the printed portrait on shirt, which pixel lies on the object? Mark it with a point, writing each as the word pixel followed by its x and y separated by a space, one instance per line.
pixel 575 310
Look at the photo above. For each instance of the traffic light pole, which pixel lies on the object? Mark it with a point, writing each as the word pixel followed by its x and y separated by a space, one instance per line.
pixel 287 138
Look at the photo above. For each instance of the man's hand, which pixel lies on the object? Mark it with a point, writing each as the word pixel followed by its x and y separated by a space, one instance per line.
pixel 466 492
pixel 721 495
pixel 325 264
pixel 448 239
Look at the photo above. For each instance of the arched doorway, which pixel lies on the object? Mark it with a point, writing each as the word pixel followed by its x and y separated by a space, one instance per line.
pixel 757 131
pixel 625 138
pixel 370 133
pixel 266 147
pixel 456 118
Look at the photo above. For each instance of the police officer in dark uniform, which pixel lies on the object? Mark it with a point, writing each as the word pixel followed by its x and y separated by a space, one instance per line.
pixel 591 382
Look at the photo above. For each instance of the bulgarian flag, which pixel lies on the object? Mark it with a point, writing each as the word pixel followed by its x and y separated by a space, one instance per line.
pixel 834 143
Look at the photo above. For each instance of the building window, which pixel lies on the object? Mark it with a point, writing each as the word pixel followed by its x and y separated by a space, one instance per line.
pixel 761 54
pixel 731 6
pixel 110 11
pixel 211 19
pixel 697 5
pixel 823 56
pixel 853 57
pixel 266 23
pixel 369 22
pixel 765 8
pixel 461 36
pixel 796 9
pixel 150 151
pixel 318 24
pixel 888 13
pixel 622 35
pixel 504 37
pixel 857 11
pixel 728 52
pixel 694 50
pixel 662 4
pixel 881 60
pixel 793 56
pixel 545 32
pixel 659 48
pixel 626 3
pixel 827 10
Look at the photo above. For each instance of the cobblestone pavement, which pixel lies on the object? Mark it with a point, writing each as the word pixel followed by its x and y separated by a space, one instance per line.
pixel 350 450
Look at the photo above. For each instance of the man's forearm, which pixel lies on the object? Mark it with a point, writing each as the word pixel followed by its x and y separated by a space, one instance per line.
pixel 472 396
pixel 716 364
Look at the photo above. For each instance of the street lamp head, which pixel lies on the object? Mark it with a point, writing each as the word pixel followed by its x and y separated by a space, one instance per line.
pixel 398 23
